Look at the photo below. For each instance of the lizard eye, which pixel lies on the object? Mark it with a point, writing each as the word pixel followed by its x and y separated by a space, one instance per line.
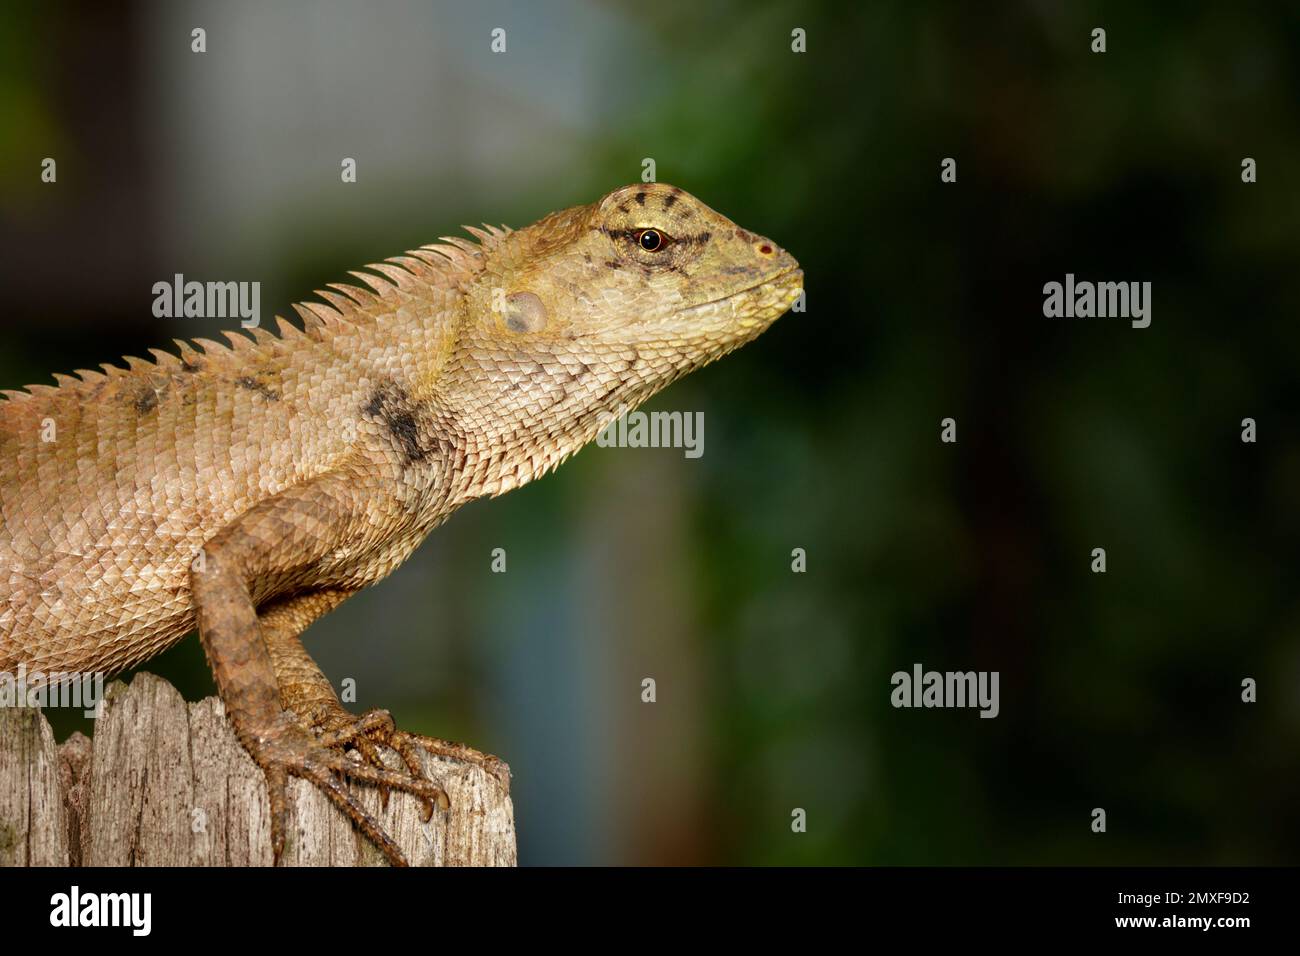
pixel 651 240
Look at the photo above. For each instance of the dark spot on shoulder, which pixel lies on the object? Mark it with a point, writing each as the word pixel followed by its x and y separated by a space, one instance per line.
pixel 146 401
pixel 586 257
pixel 406 421
pixel 669 200
pixel 613 264
pixel 640 198
pixel 261 388
pixel 622 207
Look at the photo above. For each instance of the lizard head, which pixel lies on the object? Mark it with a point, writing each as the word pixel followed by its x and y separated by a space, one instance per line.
pixel 593 309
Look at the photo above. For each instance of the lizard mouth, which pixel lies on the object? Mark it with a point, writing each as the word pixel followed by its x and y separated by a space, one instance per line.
pixel 781 278
pixel 772 297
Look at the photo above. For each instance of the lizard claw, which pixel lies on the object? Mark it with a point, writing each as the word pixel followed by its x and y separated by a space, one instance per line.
pixel 364 735
pixel 496 767
pixel 291 749
pixel 377 727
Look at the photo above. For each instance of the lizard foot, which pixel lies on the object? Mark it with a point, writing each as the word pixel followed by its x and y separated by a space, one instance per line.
pixel 290 749
pixel 376 727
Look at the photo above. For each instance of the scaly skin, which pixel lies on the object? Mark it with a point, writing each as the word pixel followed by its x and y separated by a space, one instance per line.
pixel 250 489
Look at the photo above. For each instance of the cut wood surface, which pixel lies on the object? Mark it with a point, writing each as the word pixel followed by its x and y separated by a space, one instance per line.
pixel 165 783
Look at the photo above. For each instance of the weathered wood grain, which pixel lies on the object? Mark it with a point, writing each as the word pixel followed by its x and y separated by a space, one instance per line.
pixel 165 783
pixel 33 820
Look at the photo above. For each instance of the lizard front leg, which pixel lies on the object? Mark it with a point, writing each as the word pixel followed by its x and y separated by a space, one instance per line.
pixel 304 689
pixel 271 549
pixel 308 693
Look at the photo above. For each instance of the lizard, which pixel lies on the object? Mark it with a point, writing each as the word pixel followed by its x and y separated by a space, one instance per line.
pixel 249 488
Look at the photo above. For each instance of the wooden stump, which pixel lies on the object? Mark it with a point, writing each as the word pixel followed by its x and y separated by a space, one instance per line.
pixel 165 783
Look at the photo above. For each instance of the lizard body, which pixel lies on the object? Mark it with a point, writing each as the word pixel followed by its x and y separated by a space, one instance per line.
pixel 250 488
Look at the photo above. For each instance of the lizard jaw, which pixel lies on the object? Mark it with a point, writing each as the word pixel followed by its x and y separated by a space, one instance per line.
pixel 794 272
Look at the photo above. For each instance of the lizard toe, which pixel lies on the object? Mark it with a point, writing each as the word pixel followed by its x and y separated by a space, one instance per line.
pixel 290 748
pixel 495 766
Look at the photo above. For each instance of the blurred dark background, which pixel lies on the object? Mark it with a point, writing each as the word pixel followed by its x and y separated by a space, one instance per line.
pixel 1119 690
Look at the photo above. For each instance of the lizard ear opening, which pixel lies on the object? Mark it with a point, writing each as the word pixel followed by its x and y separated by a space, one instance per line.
pixel 524 312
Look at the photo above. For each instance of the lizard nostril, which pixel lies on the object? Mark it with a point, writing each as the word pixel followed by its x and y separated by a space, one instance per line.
pixel 765 249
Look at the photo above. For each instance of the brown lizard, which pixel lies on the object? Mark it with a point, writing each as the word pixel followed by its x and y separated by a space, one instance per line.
pixel 251 488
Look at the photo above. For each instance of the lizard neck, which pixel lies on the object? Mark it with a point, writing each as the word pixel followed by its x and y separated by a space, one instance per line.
pixel 514 416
